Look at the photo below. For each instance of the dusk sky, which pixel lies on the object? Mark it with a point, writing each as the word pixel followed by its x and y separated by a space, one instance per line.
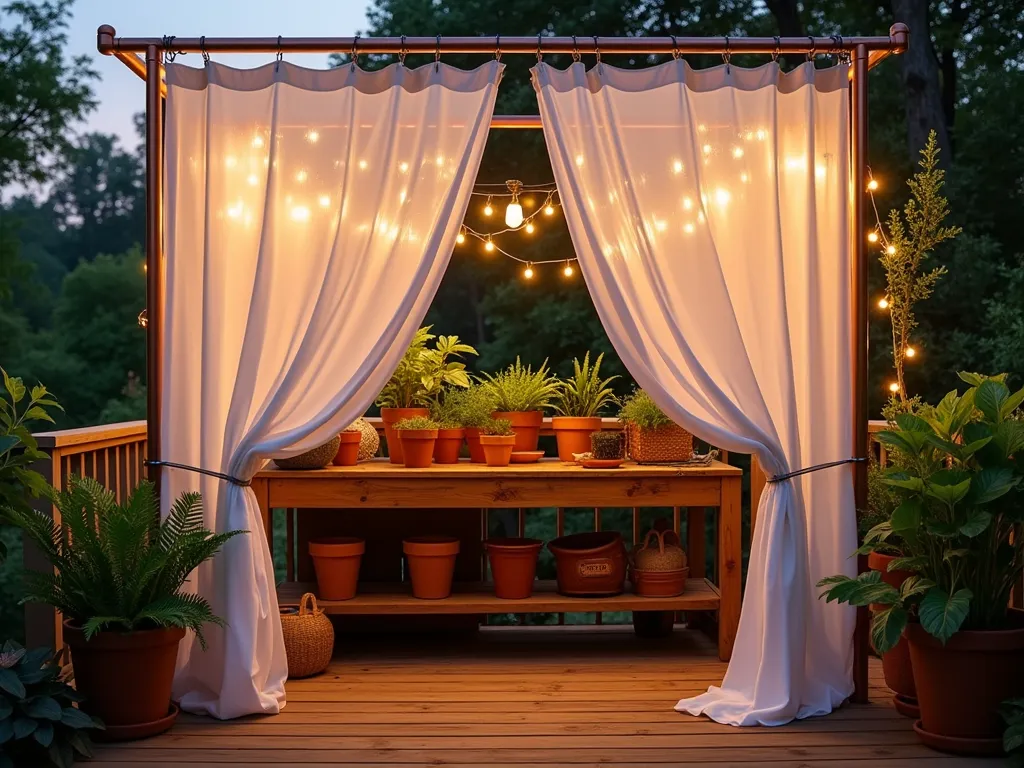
pixel 121 94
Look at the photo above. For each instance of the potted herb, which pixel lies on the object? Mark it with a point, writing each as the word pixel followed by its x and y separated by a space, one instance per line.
pixel 418 379
pixel 497 440
pixel 117 576
pixel 450 432
pixel 578 403
pixel 417 436
pixel 520 396
pixel 651 436
pixel 471 407
pixel 959 479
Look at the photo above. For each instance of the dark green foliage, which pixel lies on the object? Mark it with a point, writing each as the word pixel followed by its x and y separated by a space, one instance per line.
pixel 1013 737
pixel 584 393
pixel 641 410
pixel 468 407
pixel 417 422
pixel 501 427
pixel 520 388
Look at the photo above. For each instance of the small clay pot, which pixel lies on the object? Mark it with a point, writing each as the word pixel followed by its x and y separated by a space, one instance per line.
pixel 391 416
pixel 448 445
pixel 526 425
pixel 417 446
pixel 348 449
pixel 337 561
pixel 573 434
pixel 476 451
pixel 513 566
pixel 497 449
pixel 431 565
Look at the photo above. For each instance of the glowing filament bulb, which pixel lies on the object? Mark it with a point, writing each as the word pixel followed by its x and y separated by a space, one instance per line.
pixel 549 210
pixel 737 152
pixel 403 167
pixel 528 272
pixel 883 303
pixel 514 214
pixel 891 250
pixel 910 352
pixel 529 228
pixel 325 200
pixel 722 196
pixel 313 137
pixel 872 185
pixel 300 213
pixel 362 165
pixel 567 271
pixel 872 237
pixel 688 228
pixel 894 387
pixel 488 246
pixel 301 176
pixel 488 208
pixel 677 166
pixel 460 238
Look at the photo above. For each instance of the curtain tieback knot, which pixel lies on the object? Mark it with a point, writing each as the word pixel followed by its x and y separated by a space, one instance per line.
pixel 209 472
pixel 814 468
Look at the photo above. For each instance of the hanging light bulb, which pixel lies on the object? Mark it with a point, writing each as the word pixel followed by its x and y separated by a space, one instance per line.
pixel 528 272
pixel 891 250
pixel 872 237
pixel 910 352
pixel 461 237
pixel 872 185
pixel 514 211
pixel 489 246
pixel 529 227
pixel 488 208
pixel 567 271
pixel 549 210
pixel 883 303
pixel 894 387
pixel 313 137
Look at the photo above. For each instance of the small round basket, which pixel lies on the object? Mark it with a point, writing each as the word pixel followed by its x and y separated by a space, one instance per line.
pixel 318 458
pixel 370 442
pixel 308 638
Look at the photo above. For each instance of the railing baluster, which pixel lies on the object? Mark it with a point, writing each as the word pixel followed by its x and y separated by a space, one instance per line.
pixel 599 617
pixel 117 473
pixel 289 558
pixel 560 531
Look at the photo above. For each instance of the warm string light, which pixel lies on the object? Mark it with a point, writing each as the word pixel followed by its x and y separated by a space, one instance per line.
pixel 528 272
pixel 488 208
pixel 143 319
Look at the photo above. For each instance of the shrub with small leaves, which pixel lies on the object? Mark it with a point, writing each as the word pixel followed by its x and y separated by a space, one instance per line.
pixel 606 445
pixel 499 427
pixel 469 407
pixel 519 388
pixel 39 722
pixel 417 422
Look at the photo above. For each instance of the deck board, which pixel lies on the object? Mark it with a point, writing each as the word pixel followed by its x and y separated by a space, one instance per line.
pixel 577 696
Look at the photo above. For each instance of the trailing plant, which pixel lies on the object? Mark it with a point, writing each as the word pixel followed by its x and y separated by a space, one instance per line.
pixel 118 566
pixel 424 370
pixel 468 407
pixel 18 449
pixel 585 393
pixel 417 422
pixel 641 410
pixel 606 445
pixel 499 427
pixel 959 485
pixel 1013 737
pixel 39 722
pixel 520 388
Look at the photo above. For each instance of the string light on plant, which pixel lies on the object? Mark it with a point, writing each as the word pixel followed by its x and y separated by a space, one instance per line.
pixel 910 352
pixel 894 387
pixel 872 237
pixel 890 249
pixel 883 303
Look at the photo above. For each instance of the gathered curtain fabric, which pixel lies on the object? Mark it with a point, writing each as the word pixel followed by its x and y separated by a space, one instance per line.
pixel 709 211
pixel 310 216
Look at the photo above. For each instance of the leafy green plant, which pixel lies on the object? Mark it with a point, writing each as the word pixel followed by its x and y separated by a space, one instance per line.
pixel 959 484
pixel 499 427
pixel 417 422
pixel 1013 737
pixel 606 445
pixel 423 371
pixel 39 722
pixel 641 410
pixel 520 388
pixel 18 449
pixel 585 393
pixel 118 566
pixel 468 407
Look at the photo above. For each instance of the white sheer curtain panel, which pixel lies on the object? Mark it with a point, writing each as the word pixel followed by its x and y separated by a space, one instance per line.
pixel 709 213
pixel 309 218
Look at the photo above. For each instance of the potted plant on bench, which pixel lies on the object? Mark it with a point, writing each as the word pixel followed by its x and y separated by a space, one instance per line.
pixel 578 403
pixel 651 436
pixel 521 395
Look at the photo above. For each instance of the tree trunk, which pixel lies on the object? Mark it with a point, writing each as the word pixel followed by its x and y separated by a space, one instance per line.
pixel 921 81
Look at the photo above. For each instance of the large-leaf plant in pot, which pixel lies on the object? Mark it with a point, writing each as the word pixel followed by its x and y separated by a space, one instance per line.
pixel 959 519
pixel 117 578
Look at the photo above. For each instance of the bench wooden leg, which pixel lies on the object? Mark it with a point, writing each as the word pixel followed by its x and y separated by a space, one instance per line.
pixel 730 565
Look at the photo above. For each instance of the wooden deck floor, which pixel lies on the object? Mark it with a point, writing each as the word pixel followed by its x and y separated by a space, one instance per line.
pixel 559 696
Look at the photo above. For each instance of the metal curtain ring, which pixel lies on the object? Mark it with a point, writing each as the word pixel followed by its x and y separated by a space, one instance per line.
pixel 497 47
pixel 202 50
pixel 355 42
pixel 575 49
pixel 437 54
pixel 540 56
pixel 675 47
pixel 813 51
pixel 727 56
pixel 778 49
pixel 402 53
pixel 169 54
pixel 597 51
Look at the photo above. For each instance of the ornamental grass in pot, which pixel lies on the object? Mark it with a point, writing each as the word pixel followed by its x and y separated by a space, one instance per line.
pixel 578 403
pixel 520 397
pixel 498 441
pixel 419 377
pixel 117 577
pixel 417 437
pixel 651 436
pixel 958 477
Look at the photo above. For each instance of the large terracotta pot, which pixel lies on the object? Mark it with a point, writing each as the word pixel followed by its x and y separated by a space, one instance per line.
pixel 573 434
pixel 590 564
pixel 899 675
pixel 526 425
pixel 336 562
pixel 391 416
pixel 126 678
pixel 476 451
pixel 417 446
pixel 431 565
pixel 348 449
pixel 497 449
pixel 448 445
pixel 513 566
pixel 960 685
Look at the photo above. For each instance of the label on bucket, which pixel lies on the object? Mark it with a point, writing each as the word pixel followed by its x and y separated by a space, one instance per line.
pixel 593 568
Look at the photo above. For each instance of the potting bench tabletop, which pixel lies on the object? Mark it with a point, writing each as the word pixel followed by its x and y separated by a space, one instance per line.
pixel 378 484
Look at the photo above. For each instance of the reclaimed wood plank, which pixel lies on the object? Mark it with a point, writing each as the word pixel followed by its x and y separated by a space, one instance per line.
pixel 730 565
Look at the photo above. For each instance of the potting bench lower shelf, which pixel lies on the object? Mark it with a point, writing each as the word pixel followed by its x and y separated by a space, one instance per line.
pixel 376 486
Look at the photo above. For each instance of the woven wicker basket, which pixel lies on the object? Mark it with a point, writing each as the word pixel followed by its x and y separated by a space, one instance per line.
pixel 308 638
pixel 318 458
pixel 663 445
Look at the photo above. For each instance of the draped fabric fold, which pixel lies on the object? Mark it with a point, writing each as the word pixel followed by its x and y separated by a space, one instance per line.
pixel 709 212
pixel 309 219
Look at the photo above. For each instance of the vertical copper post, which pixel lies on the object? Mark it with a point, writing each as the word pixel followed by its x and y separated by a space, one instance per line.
pixel 859 310
pixel 154 253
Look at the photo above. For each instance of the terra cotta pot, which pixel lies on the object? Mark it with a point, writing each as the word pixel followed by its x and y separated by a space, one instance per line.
pixel 497 449
pixel 448 445
pixel 391 416
pixel 336 561
pixel 896 667
pixel 573 434
pixel 513 566
pixel 348 449
pixel 526 425
pixel 476 451
pixel 590 564
pixel 431 565
pixel 417 446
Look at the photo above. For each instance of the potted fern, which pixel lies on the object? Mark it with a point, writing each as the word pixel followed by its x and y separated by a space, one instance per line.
pixel 520 396
pixel 117 576
pixel 578 403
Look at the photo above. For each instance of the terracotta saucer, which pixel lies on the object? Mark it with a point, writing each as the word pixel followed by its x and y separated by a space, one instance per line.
pixel 957 745
pixel 137 730
pixel 526 457
pixel 602 463
pixel 906 706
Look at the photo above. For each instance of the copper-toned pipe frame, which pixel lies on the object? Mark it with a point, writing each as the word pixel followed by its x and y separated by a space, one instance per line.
pixel 154 255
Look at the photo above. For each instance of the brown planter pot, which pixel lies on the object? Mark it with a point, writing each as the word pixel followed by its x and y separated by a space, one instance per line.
pixel 391 416
pixel 497 449
pixel 513 566
pixel 348 449
pixel 573 434
pixel 660 583
pixel 126 678
pixel 961 685
pixel 448 445
pixel 431 565
pixel 476 451
pixel 526 425
pixel 417 446
pixel 899 674
pixel 337 561
pixel 590 564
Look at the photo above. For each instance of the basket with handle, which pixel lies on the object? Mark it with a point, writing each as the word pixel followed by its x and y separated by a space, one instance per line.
pixel 308 637
pixel 661 445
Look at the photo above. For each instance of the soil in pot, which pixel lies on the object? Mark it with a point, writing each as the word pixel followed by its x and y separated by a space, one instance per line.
pixel 513 566
pixel 337 561
pixel 573 434
pixel 590 564
pixel 497 449
pixel 899 675
pixel 391 416
pixel 961 685
pixel 417 446
pixel 476 451
pixel 431 562
pixel 526 425
pixel 348 449
pixel 448 445
pixel 126 678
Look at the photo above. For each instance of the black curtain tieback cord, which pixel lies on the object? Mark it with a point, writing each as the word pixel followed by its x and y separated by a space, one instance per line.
pixel 814 468
pixel 208 472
